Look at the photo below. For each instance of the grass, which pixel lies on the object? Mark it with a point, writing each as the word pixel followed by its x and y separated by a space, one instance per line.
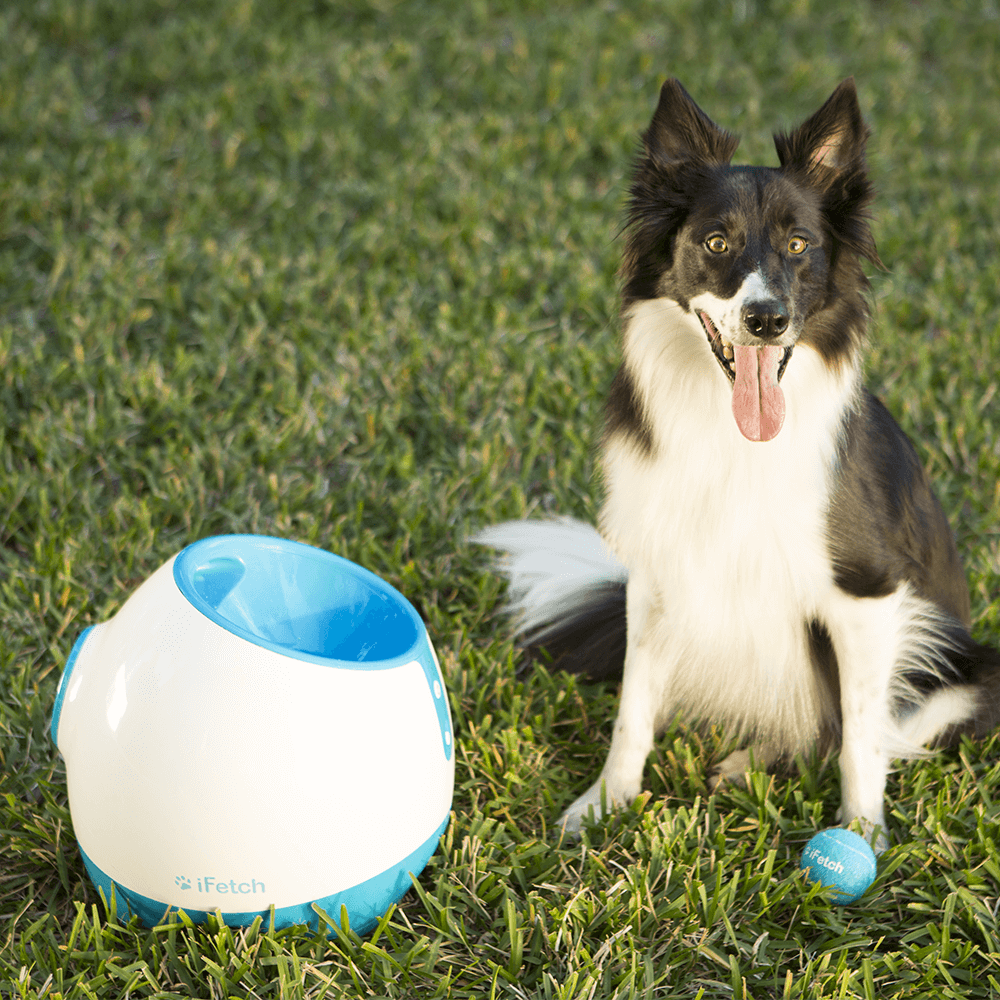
pixel 344 272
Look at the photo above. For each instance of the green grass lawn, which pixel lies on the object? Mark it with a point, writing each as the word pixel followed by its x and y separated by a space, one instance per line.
pixel 345 272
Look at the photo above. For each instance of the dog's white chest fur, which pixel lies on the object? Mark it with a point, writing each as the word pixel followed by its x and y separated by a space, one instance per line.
pixel 726 536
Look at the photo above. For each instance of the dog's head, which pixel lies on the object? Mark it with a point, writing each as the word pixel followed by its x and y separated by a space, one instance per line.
pixel 764 257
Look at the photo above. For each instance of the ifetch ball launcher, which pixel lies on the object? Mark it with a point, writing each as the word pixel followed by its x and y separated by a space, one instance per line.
pixel 263 723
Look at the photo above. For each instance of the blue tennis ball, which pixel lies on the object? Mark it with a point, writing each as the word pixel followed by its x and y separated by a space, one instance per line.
pixel 842 860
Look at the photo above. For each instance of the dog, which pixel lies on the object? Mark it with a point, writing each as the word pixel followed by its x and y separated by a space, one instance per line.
pixel 771 557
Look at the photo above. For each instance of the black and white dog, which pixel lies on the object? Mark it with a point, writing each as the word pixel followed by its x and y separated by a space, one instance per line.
pixel 771 556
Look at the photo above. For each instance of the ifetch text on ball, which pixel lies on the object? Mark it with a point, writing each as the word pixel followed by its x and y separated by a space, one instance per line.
pixel 814 857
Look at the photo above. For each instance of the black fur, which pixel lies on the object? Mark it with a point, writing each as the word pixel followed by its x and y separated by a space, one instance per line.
pixel 589 642
pixel 624 412
pixel 886 525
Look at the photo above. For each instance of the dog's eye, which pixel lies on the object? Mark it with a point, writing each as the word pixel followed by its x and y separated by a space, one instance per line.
pixel 797 245
pixel 717 244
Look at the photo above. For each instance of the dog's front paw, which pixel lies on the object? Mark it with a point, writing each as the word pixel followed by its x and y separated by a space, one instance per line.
pixel 595 803
pixel 873 831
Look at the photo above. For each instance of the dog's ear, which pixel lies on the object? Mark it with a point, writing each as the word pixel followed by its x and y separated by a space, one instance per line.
pixel 828 151
pixel 832 139
pixel 680 131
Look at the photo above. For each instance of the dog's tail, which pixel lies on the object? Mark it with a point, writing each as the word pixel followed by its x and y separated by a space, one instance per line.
pixel 959 695
pixel 566 595
pixel 979 668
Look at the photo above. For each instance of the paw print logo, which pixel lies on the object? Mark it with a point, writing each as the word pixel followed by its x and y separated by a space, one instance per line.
pixel 183 881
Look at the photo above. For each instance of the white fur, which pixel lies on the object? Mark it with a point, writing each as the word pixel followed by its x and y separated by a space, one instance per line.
pixel 728 535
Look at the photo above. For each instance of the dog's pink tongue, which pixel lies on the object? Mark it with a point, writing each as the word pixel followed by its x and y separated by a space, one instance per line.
pixel 758 402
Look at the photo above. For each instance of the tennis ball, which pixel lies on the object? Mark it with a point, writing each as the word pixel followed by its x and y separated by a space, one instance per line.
pixel 841 860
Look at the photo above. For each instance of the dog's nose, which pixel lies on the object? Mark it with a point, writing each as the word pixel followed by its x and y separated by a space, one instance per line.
pixel 767 319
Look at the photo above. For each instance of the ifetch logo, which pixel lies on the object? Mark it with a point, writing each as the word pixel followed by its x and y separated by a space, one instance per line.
pixel 815 858
pixel 208 883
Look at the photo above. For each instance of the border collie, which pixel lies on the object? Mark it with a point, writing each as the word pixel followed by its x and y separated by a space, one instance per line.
pixel 771 556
